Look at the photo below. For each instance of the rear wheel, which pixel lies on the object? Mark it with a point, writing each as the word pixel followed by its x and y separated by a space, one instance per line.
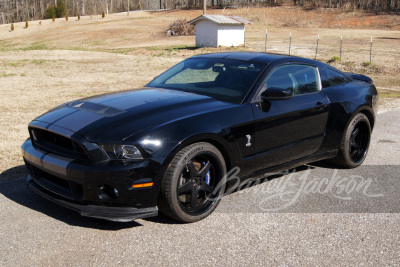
pixel 192 186
pixel 355 144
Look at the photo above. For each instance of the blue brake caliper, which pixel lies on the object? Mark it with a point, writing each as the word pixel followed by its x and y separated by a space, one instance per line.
pixel 208 176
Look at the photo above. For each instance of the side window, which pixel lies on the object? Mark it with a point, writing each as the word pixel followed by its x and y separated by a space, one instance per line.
pixel 336 78
pixel 300 79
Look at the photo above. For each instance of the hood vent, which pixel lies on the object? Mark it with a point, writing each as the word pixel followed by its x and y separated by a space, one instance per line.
pixel 99 109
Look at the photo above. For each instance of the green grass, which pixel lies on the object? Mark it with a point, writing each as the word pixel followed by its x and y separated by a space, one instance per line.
pixel 139 18
pixel 5 74
pixel 389 93
pixel 96 46
pixel 98 42
pixel 334 59
pixel 120 50
pixel 362 68
pixel 36 46
pixel 6 46
pixel 113 21
pixel 38 61
pixel 170 48
pixel 180 47
pixel 387 81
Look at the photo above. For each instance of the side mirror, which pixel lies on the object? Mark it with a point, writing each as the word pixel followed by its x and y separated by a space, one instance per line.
pixel 275 93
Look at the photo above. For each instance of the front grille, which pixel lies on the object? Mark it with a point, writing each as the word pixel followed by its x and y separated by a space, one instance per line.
pixel 56 184
pixel 57 144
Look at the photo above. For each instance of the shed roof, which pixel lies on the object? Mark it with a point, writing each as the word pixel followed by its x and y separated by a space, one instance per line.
pixel 220 19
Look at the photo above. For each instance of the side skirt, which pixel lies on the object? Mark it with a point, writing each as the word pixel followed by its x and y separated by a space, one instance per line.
pixel 260 174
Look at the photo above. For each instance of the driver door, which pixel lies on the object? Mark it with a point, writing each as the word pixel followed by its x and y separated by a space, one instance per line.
pixel 288 129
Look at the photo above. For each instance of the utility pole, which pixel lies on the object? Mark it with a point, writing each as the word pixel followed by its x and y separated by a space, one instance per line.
pixel 204 6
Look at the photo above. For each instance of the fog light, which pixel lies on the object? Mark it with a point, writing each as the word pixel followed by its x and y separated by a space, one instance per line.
pixel 107 192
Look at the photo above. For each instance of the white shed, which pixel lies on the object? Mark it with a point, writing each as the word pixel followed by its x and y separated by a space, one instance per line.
pixel 218 30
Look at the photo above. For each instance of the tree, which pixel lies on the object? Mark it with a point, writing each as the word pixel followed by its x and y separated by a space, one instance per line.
pixel 82 7
pixel 20 10
pixel 51 12
pixel 26 24
pixel 60 8
pixel 12 26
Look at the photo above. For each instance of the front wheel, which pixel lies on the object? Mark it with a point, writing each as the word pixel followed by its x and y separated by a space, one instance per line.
pixel 355 143
pixel 193 184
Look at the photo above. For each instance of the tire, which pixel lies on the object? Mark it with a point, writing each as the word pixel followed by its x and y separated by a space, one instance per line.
pixel 192 185
pixel 355 143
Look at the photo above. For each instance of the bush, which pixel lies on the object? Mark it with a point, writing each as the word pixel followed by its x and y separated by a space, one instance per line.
pixel 50 12
pixel 26 24
pixel 366 64
pixel 53 19
pixel 181 27
pixel 12 26
pixel 56 11
pixel 103 15
pixel 60 8
pixel 334 59
pixel 66 17
pixel 79 16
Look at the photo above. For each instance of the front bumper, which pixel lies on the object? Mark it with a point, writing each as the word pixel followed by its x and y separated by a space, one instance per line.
pixel 118 214
pixel 97 190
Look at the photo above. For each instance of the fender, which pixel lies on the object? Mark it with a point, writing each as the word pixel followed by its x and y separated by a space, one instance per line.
pixel 341 113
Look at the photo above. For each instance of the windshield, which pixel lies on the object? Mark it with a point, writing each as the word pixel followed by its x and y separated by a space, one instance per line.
pixel 223 79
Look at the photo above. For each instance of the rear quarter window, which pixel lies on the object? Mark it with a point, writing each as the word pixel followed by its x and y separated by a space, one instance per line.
pixel 336 78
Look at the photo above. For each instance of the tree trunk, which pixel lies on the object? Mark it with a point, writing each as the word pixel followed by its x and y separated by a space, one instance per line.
pixel 82 8
pixel 16 4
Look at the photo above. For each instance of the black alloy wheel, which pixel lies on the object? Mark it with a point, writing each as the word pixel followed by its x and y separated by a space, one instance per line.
pixel 359 142
pixel 355 143
pixel 196 185
pixel 192 186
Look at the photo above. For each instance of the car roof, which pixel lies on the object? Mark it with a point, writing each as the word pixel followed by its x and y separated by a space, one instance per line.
pixel 254 57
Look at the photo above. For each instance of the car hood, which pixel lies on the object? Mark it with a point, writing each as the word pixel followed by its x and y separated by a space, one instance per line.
pixel 117 116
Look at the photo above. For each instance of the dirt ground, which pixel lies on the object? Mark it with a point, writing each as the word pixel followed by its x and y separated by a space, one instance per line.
pixel 51 63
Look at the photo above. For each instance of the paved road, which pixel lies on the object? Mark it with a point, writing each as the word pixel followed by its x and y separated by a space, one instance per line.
pixel 318 215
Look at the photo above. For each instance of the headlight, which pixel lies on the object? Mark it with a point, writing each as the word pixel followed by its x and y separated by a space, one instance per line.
pixel 121 151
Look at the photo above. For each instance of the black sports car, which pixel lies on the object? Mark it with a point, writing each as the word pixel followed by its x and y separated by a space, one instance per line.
pixel 168 146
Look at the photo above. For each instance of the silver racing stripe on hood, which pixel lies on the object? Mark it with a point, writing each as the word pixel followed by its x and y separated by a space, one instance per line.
pixel 77 115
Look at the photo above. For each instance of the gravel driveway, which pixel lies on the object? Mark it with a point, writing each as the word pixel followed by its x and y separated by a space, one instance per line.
pixel 306 222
